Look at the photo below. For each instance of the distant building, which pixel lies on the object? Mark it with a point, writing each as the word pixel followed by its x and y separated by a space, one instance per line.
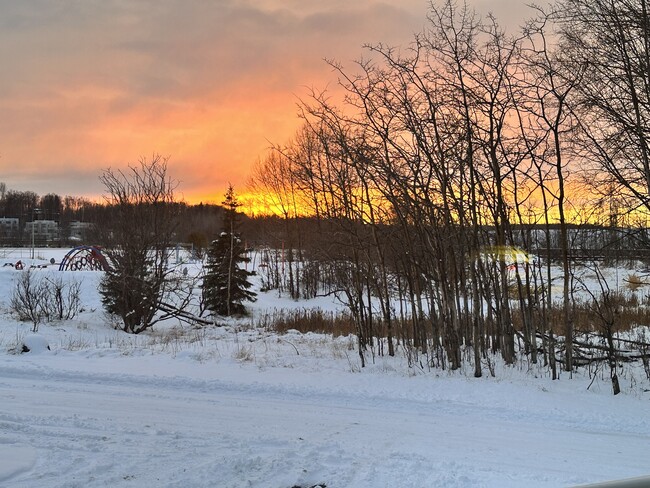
pixel 79 231
pixel 43 231
pixel 9 225
pixel 9 230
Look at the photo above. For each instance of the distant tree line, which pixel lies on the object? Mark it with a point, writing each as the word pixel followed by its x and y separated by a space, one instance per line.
pixel 200 223
pixel 27 206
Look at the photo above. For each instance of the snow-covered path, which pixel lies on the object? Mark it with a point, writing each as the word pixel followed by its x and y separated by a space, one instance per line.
pixel 66 424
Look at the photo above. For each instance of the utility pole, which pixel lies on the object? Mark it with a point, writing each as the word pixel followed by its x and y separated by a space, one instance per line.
pixel 35 212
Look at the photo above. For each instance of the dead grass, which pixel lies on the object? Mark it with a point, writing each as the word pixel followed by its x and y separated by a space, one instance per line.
pixel 308 320
pixel 634 282
pixel 629 309
pixel 628 313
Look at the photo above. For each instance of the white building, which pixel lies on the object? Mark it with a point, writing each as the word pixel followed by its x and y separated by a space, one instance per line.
pixel 42 230
pixel 9 229
pixel 79 230
pixel 9 225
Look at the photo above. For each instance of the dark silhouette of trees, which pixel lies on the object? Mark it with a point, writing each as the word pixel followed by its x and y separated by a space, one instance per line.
pixel 51 206
pixel 441 159
pixel 611 40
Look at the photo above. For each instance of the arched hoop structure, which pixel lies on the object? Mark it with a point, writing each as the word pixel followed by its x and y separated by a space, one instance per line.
pixel 84 258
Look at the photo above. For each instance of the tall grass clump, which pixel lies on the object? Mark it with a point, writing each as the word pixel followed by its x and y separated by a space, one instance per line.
pixel 307 320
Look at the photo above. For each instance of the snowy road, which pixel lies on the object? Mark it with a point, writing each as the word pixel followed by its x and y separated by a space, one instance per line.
pixel 65 428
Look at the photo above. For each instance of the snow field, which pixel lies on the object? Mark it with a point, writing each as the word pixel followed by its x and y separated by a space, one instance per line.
pixel 236 406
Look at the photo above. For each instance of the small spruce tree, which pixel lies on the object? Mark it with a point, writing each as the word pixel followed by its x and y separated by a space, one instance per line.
pixel 226 285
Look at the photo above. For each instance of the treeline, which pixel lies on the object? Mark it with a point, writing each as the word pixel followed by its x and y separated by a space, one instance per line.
pixel 198 226
pixel 439 159
pixel 27 205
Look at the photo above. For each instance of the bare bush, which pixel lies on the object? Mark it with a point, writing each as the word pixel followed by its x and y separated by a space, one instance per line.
pixel 63 299
pixel 44 299
pixel 27 300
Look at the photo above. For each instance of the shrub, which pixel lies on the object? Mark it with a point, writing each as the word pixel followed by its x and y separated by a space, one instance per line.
pixel 45 299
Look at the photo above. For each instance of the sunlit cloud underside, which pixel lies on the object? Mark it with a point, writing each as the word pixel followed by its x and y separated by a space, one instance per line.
pixel 92 85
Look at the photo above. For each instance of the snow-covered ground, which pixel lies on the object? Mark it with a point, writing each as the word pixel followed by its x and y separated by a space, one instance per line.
pixel 240 407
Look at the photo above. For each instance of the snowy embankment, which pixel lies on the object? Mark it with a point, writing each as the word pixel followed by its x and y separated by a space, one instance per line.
pixel 241 407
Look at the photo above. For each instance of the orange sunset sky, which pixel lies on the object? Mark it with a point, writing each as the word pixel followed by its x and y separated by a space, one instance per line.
pixel 92 84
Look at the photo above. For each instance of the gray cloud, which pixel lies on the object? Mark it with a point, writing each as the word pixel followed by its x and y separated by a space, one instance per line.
pixel 87 84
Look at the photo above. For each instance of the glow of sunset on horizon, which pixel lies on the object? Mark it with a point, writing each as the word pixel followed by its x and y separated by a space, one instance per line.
pixel 212 85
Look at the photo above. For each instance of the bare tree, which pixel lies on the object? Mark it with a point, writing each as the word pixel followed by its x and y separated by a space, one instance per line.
pixel 274 179
pixel 552 78
pixel 612 40
pixel 425 146
pixel 605 308
pixel 427 176
pixel 137 234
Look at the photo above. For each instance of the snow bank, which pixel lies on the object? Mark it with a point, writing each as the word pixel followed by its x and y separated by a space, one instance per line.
pixel 35 344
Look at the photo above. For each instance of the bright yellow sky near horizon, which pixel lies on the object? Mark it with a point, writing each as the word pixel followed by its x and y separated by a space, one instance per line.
pixel 211 84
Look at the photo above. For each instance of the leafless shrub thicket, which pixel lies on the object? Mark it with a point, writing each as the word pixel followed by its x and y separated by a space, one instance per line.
pixel 39 299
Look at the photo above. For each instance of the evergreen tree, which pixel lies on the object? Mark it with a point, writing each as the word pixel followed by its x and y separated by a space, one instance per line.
pixel 226 285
